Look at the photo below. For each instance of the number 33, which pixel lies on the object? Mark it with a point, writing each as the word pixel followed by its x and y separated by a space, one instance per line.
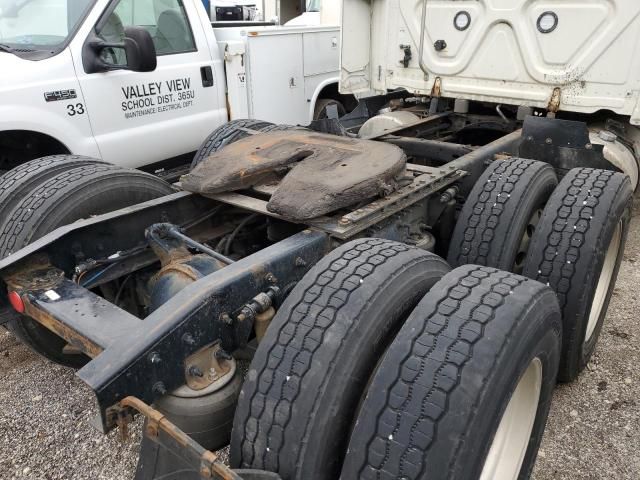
pixel 77 109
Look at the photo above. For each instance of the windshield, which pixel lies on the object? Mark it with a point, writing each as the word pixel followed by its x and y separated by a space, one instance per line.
pixel 31 25
pixel 313 5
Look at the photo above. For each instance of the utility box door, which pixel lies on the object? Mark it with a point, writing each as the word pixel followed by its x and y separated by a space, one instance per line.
pixel 275 78
pixel 321 52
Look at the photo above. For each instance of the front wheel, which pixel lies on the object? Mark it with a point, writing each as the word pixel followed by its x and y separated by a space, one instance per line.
pixel 464 390
pixel 324 107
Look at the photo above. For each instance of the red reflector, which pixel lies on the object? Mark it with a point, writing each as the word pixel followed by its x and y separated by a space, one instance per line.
pixel 16 302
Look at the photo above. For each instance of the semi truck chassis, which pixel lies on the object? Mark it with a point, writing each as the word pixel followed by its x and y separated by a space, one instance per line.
pixel 136 358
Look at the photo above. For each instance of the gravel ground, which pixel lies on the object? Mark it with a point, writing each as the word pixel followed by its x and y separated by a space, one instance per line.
pixel 593 431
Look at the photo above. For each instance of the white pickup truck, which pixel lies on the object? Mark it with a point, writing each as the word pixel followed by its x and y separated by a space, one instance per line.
pixel 69 85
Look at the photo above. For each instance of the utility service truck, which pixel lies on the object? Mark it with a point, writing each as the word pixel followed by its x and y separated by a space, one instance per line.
pixel 136 83
pixel 290 295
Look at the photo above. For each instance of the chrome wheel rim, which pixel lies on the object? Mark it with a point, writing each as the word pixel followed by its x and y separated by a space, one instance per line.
pixel 604 282
pixel 511 440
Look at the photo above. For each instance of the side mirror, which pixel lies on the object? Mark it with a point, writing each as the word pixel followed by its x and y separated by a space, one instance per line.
pixel 138 48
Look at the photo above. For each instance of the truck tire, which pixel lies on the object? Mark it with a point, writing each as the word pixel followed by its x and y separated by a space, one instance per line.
pixel 18 182
pixel 321 110
pixel 298 401
pixel 577 250
pixel 282 128
pixel 499 216
pixel 88 190
pixel 228 133
pixel 479 354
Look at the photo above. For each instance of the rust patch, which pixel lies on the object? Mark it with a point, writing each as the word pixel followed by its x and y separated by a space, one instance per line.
pixel 209 465
pixel 74 339
pixel 436 90
pixel 262 322
pixel 205 367
pixel 178 268
pixel 35 274
pixel 554 102
pixel 258 271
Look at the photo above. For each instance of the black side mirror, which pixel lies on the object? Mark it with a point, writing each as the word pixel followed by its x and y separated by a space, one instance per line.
pixel 138 47
pixel 140 50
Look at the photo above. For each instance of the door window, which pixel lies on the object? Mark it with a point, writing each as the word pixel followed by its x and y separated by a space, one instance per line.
pixel 165 20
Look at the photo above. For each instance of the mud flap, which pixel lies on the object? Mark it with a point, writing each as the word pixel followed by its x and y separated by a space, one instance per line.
pixel 563 144
pixel 158 463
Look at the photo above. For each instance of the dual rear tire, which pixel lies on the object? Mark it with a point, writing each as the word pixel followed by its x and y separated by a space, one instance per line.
pixel 464 390
pixel 463 349
pixel 19 182
pixel 471 372
pixel 499 217
pixel 297 404
pixel 577 250
pixel 569 236
pixel 47 193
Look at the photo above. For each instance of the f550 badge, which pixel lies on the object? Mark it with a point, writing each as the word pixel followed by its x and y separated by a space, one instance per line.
pixel 60 95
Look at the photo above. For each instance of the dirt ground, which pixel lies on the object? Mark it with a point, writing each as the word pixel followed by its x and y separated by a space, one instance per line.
pixel 593 431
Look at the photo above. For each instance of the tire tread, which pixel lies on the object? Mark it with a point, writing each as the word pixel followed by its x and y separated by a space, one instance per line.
pixel 19 181
pixel 320 304
pixel 562 252
pixel 33 207
pixel 227 133
pixel 484 231
pixel 398 428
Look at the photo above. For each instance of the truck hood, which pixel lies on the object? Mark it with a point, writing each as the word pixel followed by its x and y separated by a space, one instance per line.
pixel 19 73
pixel 12 68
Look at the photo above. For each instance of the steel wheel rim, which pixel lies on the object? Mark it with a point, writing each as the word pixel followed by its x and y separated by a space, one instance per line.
pixel 604 282
pixel 511 440
pixel 525 241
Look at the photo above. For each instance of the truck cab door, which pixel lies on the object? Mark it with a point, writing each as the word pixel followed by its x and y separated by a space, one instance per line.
pixel 142 118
